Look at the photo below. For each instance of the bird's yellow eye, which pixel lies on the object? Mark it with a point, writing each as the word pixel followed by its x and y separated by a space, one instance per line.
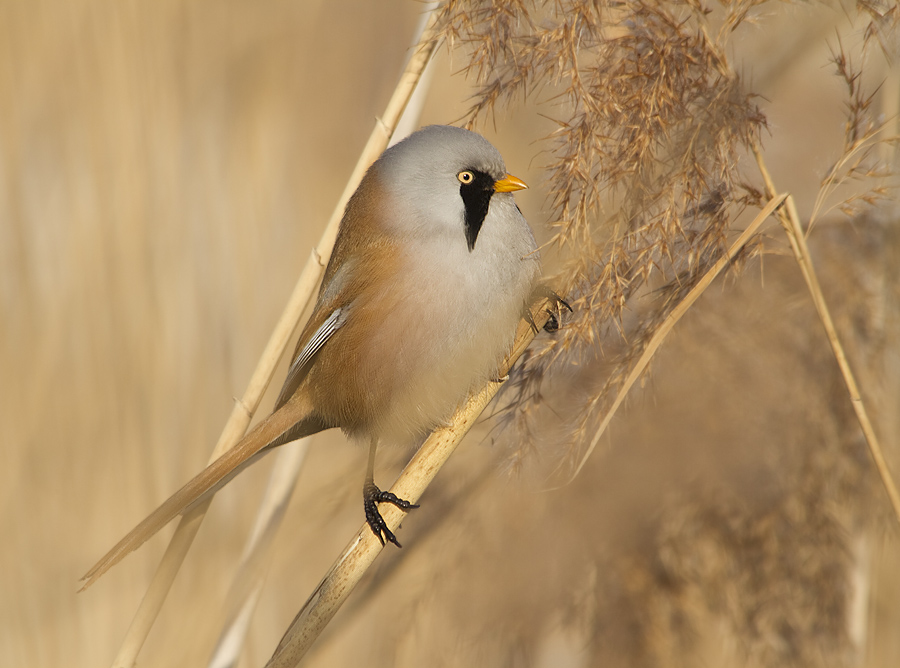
pixel 465 177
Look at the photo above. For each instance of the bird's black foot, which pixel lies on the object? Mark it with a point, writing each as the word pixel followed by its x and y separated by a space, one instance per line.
pixel 372 496
pixel 553 322
pixel 555 311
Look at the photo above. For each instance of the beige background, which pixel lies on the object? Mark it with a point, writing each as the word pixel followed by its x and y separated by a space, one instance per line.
pixel 164 169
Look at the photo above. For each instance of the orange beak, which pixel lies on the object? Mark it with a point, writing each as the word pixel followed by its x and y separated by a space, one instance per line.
pixel 509 184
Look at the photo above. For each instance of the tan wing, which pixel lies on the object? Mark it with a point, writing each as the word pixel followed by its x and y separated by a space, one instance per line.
pixel 294 416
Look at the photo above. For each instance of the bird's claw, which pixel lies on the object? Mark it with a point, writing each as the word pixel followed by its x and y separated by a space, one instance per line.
pixel 553 322
pixel 372 496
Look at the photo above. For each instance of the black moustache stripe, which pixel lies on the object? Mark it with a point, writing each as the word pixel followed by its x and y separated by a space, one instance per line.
pixel 476 198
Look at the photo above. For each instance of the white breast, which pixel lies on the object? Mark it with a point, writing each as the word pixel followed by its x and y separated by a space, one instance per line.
pixel 456 316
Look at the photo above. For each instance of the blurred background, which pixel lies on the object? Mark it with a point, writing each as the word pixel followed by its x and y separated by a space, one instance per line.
pixel 165 169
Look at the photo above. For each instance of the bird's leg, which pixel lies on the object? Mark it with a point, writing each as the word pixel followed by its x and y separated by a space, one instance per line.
pixel 372 496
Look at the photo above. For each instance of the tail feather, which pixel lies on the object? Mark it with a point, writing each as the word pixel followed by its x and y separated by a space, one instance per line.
pixel 289 422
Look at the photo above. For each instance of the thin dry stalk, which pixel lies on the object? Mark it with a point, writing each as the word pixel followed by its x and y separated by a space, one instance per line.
pixel 862 136
pixel 251 574
pixel 666 326
pixel 361 552
pixel 890 111
pixel 235 428
pixel 278 342
pixel 249 579
pixel 790 220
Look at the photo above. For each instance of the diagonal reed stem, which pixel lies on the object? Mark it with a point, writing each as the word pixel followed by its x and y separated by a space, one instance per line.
pixel 790 220
pixel 244 408
pixel 360 553
pixel 251 574
pixel 668 324
pixel 247 584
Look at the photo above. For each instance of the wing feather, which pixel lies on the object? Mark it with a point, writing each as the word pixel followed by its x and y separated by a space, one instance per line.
pixel 305 354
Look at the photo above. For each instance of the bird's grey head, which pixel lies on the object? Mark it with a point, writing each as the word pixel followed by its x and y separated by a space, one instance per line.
pixel 441 179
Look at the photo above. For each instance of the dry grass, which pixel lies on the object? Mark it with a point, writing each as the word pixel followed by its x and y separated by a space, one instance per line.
pixel 164 170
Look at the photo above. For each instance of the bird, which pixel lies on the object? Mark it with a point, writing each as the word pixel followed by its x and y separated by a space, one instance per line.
pixel 432 269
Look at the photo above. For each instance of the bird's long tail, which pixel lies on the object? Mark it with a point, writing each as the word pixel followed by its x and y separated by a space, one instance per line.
pixel 291 421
